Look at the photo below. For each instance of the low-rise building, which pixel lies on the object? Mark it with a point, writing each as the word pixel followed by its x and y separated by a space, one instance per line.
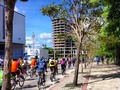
pixel 18 33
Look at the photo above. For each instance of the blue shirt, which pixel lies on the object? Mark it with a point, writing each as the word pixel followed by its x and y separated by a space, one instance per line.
pixel 41 66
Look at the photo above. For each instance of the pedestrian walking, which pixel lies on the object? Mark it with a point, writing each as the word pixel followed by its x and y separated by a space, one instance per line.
pixel 73 61
pixel 97 59
pixel 102 60
pixel 63 66
pixel 69 62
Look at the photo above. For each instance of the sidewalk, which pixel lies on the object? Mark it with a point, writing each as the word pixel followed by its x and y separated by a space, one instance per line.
pixel 102 77
pixel 68 80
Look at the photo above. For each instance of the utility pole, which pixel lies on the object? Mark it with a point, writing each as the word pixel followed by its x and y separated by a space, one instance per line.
pixel 33 38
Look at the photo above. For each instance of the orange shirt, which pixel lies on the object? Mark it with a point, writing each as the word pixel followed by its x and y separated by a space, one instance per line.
pixel 14 66
pixel 33 62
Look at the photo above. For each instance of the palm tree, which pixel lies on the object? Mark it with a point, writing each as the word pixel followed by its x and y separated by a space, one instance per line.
pixel 9 6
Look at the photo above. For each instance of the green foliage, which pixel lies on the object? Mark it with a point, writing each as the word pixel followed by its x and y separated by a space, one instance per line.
pixel 51 10
pixel 110 32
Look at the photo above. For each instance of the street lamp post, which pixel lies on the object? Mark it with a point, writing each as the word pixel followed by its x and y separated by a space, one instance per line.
pixel 33 37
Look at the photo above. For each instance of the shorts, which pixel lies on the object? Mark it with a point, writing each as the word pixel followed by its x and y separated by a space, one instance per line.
pixel 33 67
pixel 52 68
pixel 15 73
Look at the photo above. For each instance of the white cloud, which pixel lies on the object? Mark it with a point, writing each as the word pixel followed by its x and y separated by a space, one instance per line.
pixel 16 9
pixel 49 41
pixel 29 40
pixel 37 44
pixel 45 36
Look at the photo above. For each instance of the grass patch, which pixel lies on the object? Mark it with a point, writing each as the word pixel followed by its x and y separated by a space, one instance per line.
pixel 83 73
pixel 72 86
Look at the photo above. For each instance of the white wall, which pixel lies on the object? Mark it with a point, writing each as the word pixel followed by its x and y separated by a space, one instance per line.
pixel 18 27
pixel 1 23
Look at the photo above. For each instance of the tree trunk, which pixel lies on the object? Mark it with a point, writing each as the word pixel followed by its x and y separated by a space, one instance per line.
pixel 81 66
pixel 85 61
pixel 8 43
pixel 77 65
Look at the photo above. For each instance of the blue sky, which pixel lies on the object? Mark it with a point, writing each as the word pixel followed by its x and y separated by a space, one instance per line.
pixel 36 23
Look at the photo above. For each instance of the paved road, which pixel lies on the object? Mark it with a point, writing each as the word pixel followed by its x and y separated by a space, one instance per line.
pixel 31 84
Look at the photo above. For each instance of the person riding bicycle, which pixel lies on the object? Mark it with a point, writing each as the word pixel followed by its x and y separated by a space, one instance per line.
pixel 56 66
pixel 42 67
pixel 21 62
pixel 33 63
pixel 52 65
pixel 15 68
pixel 63 65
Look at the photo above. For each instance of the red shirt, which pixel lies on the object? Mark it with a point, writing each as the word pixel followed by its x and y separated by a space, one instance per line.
pixel 33 62
pixel 14 66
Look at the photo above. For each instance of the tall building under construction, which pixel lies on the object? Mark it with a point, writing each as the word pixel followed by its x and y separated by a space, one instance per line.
pixel 62 46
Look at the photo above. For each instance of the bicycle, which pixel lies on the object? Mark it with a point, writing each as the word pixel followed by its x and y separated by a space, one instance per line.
pixel 63 67
pixel 52 75
pixel 41 80
pixel 33 72
pixel 14 81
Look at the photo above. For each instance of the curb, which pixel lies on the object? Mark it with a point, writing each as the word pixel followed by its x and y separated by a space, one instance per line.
pixel 84 87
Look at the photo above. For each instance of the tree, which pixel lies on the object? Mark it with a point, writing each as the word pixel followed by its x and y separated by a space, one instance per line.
pixel 51 10
pixel 78 13
pixel 44 46
pixel 109 34
pixel 9 6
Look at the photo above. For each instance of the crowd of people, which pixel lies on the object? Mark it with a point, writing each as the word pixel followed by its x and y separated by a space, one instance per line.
pixel 21 66
pixel 101 59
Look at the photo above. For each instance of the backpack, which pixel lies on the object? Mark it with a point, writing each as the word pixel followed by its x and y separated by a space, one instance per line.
pixel 52 62
pixel 63 62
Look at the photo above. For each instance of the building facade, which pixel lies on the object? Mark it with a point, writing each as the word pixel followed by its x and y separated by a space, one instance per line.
pixel 18 33
pixel 62 46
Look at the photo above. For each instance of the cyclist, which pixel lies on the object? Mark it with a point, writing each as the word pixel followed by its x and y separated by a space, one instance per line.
pixel 56 66
pixel 21 62
pixel 15 68
pixel 52 65
pixel 33 63
pixel 63 65
pixel 42 67
pixel 44 60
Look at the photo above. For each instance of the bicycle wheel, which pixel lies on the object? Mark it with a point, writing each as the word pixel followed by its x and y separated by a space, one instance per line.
pixel 25 76
pixel 21 81
pixel 51 77
pixel 13 84
pixel 39 83
pixel 31 74
pixel 43 80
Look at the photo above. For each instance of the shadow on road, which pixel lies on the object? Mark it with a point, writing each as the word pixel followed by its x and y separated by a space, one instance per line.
pixel 108 76
pixel 27 86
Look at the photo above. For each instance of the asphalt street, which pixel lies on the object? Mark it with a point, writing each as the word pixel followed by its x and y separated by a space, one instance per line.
pixel 31 83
